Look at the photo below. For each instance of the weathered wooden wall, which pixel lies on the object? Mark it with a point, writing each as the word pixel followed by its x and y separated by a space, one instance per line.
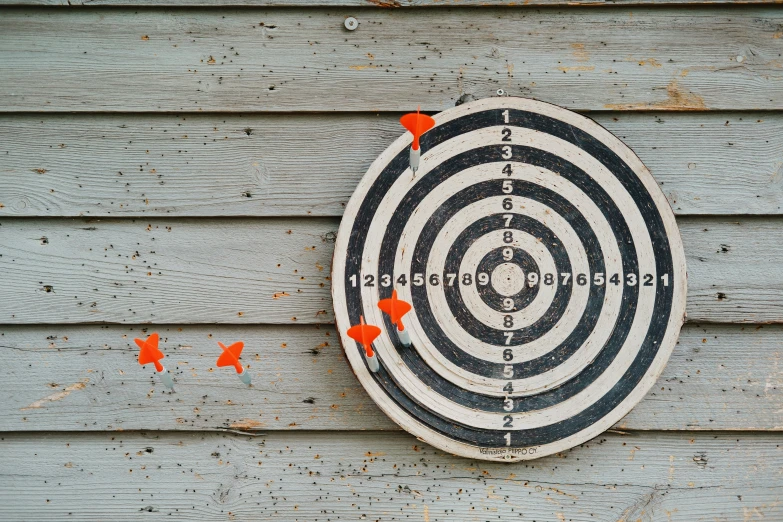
pixel 183 170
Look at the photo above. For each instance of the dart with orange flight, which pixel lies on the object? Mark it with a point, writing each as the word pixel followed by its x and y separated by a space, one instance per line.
pixel 149 353
pixel 365 334
pixel 396 308
pixel 230 357
pixel 417 123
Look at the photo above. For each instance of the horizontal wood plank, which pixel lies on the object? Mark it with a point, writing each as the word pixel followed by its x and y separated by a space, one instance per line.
pixel 365 3
pixel 318 477
pixel 308 165
pixel 733 269
pixel 204 271
pixel 66 378
pixel 249 271
pixel 282 60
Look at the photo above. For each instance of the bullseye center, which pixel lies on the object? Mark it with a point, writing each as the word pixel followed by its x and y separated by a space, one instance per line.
pixel 508 279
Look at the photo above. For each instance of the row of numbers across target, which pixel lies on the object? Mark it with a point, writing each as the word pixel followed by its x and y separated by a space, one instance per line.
pixel 482 278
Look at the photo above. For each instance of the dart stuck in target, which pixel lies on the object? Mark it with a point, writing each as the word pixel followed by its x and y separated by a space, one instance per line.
pixel 396 309
pixel 539 270
pixel 417 124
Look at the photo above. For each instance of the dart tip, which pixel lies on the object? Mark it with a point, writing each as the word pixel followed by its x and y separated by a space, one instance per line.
pixel 244 377
pixel 415 157
pixel 165 377
pixel 374 364
pixel 404 336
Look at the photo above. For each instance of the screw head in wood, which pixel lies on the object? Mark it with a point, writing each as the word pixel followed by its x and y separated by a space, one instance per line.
pixel 351 23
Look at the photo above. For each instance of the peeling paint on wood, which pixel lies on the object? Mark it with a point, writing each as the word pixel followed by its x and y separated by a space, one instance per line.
pixel 40 403
pixel 677 100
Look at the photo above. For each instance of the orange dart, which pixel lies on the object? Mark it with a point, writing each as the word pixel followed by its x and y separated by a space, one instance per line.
pixel 417 124
pixel 397 308
pixel 149 353
pixel 365 334
pixel 230 357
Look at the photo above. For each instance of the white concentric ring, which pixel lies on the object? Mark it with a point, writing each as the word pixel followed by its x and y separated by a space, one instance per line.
pixel 470 294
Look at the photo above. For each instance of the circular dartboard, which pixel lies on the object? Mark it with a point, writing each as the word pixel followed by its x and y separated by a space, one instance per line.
pixel 545 272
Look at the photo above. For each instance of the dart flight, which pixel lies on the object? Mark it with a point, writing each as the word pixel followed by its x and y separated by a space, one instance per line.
pixel 149 353
pixel 417 124
pixel 230 357
pixel 396 309
pixel 365 334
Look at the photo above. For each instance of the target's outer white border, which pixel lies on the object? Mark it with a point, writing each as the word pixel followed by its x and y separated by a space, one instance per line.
pixel 678 281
